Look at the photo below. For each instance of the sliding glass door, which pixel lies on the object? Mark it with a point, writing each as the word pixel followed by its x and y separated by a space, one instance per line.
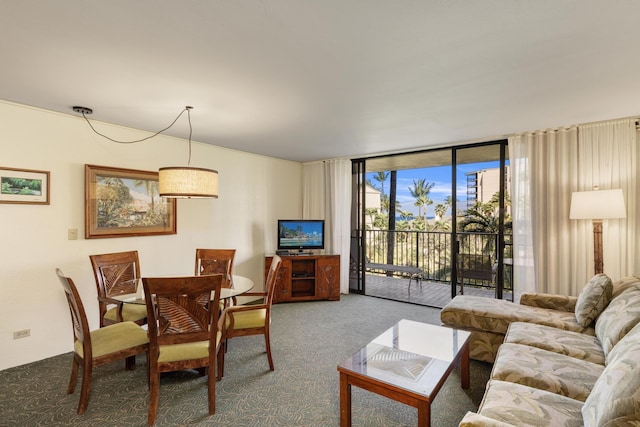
pixel 423 221
pixel 483 221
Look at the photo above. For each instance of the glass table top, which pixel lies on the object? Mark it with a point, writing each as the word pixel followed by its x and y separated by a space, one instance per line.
pixel 238 285
pixel 411 355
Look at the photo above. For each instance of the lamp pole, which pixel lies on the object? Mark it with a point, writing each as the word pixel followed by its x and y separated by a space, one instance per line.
pixel 598 263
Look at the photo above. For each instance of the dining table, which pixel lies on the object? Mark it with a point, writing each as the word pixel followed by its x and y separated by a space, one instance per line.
pixel 235 286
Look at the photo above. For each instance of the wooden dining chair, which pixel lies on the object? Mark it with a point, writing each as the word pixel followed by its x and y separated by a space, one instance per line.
pixel 117 274
pixel 184 330
pixel 119 341
pixel 253 319
pixel 216 261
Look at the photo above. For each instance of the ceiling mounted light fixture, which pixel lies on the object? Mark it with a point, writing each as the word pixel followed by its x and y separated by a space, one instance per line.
pixel 175 181
pixel 188 182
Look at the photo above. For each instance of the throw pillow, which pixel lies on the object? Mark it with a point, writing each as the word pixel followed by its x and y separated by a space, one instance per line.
pixel 594 298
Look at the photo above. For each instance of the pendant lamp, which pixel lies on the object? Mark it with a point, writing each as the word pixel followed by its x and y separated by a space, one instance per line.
pixel 187 182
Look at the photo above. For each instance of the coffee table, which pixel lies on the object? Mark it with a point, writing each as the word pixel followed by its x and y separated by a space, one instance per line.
pixel 409 363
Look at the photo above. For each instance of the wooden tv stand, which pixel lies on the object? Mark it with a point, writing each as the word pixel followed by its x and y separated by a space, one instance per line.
pixel 307 278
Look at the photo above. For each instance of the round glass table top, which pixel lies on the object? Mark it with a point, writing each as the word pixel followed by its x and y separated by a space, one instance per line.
pixel 238 285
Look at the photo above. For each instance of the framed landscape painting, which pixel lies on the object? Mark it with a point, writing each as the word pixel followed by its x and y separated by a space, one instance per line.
pixel 125 202
pixel 24 186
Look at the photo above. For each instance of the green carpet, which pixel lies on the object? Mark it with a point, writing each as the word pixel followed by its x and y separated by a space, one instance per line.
pixel 308 341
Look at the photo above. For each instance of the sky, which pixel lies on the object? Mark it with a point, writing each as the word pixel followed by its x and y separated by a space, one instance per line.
pixel 440 176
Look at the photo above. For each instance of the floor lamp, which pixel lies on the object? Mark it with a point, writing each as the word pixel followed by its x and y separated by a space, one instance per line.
pixel 597 205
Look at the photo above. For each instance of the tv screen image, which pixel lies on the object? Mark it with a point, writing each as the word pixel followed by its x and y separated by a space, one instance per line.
pixel 301 234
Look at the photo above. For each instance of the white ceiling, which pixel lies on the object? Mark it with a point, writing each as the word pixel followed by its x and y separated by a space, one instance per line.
pixel 315 79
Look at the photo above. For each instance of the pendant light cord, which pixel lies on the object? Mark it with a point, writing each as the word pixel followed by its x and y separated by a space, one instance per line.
pixel 190 130
pixel 187 109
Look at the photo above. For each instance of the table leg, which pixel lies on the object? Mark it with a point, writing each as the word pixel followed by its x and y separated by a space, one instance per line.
pixel 464 367
pixel 345 401
pixel 424 414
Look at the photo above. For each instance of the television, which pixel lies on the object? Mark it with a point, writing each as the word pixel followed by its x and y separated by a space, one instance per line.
pixel 300 234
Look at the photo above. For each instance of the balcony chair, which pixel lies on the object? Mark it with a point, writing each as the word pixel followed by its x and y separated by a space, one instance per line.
pixel 475 267
pixel 254 319
pixel 117 274
pixel 184 331
pixel 119 341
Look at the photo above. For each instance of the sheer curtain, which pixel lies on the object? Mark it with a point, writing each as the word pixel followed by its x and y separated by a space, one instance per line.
pixel 326 190
pixel 543 175
pixel 552 253
pixel 607 153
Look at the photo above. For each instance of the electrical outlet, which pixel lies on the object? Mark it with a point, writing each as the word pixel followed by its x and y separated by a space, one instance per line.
pixel 72 234
pixel 21 334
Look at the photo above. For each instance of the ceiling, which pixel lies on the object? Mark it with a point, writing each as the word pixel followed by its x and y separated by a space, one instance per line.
pixel 307 80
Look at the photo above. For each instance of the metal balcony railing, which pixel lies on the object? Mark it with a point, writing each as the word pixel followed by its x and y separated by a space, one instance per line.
pixel 431 252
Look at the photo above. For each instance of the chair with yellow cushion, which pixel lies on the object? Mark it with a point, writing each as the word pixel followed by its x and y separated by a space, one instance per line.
pixel 254 319
pixel 117 274
pixel 184 332
pixel 119 341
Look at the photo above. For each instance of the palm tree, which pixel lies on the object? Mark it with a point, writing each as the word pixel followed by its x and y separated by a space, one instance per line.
pixel 420 191
pixel 440 210
pixel 406 215
pixel 381 177
pixel 483 218
pixel 371 184
pixel 384 202
pixel 150 187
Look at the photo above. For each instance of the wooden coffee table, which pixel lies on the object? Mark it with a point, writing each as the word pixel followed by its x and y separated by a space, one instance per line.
pixel 409 362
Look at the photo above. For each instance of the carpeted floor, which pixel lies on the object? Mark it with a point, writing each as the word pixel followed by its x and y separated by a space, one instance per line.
pixel 309 340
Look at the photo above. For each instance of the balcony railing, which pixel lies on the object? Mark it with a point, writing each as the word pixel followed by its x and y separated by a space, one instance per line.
pixel 431 252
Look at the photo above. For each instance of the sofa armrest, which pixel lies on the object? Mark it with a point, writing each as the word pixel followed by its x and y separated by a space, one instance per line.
pixel 472 419
pixel 549 301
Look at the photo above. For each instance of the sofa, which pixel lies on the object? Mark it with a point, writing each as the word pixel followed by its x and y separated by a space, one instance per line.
pixel 558 360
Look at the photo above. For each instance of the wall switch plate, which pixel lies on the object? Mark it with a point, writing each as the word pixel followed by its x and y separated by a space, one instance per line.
pixel 21 334
pixel 73 234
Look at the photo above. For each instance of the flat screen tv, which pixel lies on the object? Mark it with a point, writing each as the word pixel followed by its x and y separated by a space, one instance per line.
pixel 300 234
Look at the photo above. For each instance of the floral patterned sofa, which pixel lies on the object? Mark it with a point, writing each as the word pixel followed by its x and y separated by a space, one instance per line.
pixel 555 370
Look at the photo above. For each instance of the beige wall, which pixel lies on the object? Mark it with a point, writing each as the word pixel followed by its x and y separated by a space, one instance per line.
pixel 254 192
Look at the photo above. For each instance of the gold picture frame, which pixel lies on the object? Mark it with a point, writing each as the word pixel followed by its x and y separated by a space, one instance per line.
pixel 124 203
pixel 24 186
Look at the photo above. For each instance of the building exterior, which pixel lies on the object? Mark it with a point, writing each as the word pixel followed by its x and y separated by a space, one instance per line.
pixel 483 184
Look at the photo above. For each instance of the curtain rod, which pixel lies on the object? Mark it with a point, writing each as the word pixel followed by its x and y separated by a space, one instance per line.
pixel 635 118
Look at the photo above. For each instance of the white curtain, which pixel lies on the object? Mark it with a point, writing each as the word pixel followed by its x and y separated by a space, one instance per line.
pixel 544 170
pixel 327 194
pixel 552 253
pixel 607 155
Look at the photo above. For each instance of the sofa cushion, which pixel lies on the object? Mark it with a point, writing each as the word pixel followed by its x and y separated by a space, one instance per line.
pixel 471 419
pixel 620 349
pixel 546 370
pixel 569 343
pixel 616 394
pixel 486 314
pixel 593 299
pixel 527 406
pixel 549 301
pixel 620 316
pixel 623 284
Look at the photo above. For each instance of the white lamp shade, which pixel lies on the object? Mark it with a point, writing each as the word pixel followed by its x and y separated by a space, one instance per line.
pixel 188 182
pixel 598 204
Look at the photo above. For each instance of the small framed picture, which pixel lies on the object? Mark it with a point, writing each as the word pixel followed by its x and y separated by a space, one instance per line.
pixel 125 202
pixel 24 186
